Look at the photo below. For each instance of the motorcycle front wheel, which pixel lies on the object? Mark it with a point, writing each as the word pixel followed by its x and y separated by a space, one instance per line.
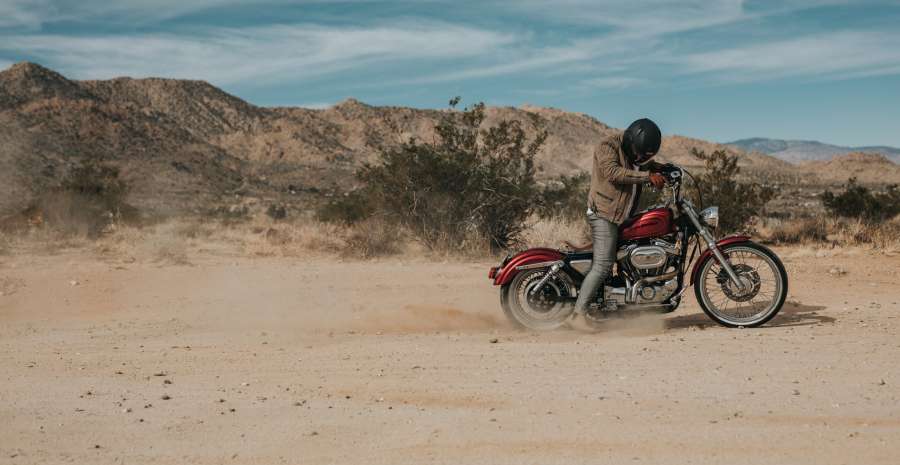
pixel 541 309
pixel 758 301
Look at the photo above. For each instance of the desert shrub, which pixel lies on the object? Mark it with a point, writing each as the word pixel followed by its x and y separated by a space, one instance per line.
pixel 348 209
pixel 99 181
pixel 799 231
pixel 5 244
pixel 229 214
pixel 88 198
pixel 565 197
pixel 859 202
pixel 835 231
pixel 856 231
pixel 276 212
pixel 372 237
pixel 467 182
pixel 740 203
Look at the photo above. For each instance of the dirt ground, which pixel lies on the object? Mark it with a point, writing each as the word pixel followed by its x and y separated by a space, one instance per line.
pixel 321 361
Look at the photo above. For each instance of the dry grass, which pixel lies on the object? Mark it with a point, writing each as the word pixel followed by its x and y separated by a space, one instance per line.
pixel 179 241
pixel 799 231
pixel 43 241
pixel 5 244
pixel 837 232
pixel 552 232
pixel 373 238
pixel 266 238
pixel 807 231
pixel 175 240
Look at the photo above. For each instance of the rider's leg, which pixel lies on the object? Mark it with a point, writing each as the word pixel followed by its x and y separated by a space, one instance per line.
pixel 605 234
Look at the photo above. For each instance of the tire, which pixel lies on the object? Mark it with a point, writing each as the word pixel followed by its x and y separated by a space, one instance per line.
pixel 711 280
pixel 526 312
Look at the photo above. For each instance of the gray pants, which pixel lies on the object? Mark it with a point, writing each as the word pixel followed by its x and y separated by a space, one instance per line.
pixel 605 234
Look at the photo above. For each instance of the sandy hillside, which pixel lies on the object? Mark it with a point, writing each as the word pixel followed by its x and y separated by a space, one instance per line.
pixel 261 361
pixel 185 146
pixel 865 167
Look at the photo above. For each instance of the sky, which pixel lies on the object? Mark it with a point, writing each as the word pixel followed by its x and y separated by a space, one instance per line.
pixel 714 69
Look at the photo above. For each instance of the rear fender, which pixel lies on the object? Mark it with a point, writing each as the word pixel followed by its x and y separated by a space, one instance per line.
pixel 707 254
pixel 528 257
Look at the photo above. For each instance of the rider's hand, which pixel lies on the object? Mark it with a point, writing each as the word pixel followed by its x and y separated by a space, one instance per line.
pixel 657 180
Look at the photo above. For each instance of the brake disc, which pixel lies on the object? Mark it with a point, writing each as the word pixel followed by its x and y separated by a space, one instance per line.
pixel 748 276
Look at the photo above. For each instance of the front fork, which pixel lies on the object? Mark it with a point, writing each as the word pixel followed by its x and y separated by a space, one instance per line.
pixel 711 243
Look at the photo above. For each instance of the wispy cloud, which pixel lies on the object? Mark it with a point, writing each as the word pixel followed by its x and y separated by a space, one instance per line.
pixel 24 13
pixel 822 55
pixel 271 53
pixel 616 42
pixel 637 35
pixel 648 17
pixel 35 13
pixel 613 82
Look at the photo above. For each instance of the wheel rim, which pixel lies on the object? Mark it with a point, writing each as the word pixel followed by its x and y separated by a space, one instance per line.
pixel 537 310
pixel 762 287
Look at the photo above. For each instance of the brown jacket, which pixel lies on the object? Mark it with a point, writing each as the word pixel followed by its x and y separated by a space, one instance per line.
pixel 612 181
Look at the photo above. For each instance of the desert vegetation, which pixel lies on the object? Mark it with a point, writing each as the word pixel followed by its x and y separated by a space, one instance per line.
pixel 856 216
pixel 472 189
pixel 469 187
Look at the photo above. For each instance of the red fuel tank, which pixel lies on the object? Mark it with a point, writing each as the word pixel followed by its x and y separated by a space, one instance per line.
pixel 651 223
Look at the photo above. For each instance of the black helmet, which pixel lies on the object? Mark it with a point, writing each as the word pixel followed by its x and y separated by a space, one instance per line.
pixel 641 140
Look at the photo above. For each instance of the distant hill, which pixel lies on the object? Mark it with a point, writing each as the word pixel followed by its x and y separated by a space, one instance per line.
pixel 865 167
pixel 808 150
pixel 187 146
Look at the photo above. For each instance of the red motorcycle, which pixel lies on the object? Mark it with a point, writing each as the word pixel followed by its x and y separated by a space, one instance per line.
pixel 737 282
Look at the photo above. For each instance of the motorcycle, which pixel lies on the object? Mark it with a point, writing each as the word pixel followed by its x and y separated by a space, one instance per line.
pixel 737 282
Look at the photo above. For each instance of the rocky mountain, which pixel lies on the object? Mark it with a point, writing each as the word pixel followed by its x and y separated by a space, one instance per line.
pixel 803 150
pixel 186 146
pixel 869 168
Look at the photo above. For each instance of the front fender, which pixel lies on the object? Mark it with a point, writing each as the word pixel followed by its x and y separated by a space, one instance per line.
pixel 537 255
pixel 708 253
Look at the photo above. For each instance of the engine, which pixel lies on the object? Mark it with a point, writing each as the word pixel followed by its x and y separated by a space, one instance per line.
pixel 653 259
pixel 651 270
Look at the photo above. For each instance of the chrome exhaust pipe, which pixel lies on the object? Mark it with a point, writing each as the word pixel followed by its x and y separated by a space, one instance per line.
pixel 550 274
pixel 631 296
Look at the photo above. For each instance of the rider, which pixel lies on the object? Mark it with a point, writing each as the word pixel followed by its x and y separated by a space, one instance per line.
pixel 621 165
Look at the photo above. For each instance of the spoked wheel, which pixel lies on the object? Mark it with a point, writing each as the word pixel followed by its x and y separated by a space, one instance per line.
pixel 541 309
pixel 757 301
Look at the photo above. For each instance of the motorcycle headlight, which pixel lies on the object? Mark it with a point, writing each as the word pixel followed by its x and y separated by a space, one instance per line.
pixel 710 216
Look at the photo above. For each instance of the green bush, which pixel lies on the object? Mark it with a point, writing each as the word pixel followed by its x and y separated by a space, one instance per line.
pixel 740 203
pixel 88 198
pixel 565 197
pixel 859 202
pixel 349 209
pixel 468 182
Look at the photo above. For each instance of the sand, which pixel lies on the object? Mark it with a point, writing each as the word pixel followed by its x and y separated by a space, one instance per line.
pixel 321 361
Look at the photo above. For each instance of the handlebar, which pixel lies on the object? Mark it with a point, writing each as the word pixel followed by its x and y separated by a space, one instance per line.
pixel 672 173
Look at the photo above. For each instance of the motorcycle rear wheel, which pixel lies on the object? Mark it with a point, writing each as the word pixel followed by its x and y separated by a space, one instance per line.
pixel 546 309
pixel 758 302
